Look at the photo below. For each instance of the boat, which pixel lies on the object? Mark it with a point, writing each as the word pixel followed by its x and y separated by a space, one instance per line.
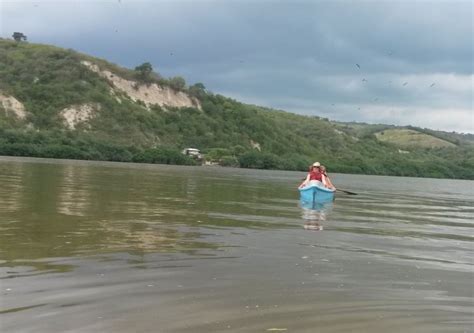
pixel 315 191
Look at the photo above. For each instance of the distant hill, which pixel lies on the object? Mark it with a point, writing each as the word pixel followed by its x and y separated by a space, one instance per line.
pixel 63 104
pixel 412 139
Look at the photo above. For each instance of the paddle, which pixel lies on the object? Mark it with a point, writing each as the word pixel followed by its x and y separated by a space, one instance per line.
pixel 347 192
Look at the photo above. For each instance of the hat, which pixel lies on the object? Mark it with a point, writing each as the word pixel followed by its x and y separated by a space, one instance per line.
pixel 316 164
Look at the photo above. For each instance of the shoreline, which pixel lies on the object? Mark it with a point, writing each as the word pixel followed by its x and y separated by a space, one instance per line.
pixel 49 160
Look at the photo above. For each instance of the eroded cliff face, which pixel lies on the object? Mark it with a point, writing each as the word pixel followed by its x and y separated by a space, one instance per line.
pixel 148 94
pixel 76 114
pixel 12 106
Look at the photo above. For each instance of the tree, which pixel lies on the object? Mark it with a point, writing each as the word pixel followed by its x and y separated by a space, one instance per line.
pixel 19 36
pixel 143 72
pixel 199 86
pixel 177 83
pixel 197 90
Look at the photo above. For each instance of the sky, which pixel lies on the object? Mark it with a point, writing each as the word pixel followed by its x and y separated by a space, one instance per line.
pixel 392 62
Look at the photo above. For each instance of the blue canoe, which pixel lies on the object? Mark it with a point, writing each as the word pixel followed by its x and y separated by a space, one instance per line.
pixel 315 191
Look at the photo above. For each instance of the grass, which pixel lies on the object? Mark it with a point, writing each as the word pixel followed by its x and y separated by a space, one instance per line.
pixel 409 138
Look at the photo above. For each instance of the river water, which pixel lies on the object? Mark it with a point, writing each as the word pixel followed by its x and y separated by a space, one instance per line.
pixel 112 247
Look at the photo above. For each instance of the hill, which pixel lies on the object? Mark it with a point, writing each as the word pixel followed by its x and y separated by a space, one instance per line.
pixel 62 104
pixel 410 138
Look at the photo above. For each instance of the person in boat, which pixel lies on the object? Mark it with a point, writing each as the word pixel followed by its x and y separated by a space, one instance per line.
pixel 314 174
pixel 325 178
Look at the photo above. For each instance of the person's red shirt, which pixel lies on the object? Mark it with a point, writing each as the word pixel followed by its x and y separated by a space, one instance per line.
pixel 315 175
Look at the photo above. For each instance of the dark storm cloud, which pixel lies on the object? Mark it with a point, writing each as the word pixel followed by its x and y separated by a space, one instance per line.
pixel 357 60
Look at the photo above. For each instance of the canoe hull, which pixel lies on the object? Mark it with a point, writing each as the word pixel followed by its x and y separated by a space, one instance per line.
pixel 316 192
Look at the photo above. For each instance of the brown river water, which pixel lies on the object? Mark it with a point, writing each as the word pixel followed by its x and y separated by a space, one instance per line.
pixel 115 247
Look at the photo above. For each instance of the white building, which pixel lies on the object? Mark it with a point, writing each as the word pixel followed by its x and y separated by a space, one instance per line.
pixel 193 152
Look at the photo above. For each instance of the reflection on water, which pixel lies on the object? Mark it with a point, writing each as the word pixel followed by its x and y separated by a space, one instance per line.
pixel 315 214
pixel 12 180
pixel 73 195
pixel 111 247
pixel 50 211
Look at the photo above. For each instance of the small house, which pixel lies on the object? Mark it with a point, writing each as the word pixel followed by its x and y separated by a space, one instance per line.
pixel 192 152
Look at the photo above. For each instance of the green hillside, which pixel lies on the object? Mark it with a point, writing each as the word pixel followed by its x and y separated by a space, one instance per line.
pixel 411 139
pixel 73 110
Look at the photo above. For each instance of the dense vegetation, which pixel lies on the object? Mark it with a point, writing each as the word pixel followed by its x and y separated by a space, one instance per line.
pixel 47 79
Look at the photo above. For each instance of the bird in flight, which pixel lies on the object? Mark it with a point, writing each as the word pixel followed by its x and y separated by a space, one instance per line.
pixel 364 80
pixel 358 66
pixel 432 85
pixel 405 83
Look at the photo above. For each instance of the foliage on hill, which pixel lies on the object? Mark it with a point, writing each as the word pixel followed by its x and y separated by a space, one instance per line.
pixel 47 79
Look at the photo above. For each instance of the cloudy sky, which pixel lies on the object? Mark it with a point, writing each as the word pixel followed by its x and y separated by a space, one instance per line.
pixel 394 62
